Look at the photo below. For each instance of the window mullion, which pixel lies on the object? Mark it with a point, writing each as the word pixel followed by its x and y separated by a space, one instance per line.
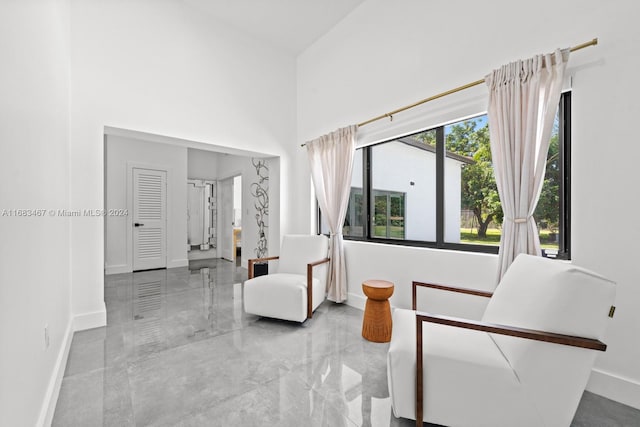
pixel 367 192
pixel 565 174
pixel 440 157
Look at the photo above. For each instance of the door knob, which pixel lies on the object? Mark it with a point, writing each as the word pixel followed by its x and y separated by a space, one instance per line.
pixel 137 224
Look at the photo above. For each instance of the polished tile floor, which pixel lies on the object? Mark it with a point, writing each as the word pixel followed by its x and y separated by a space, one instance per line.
pixel 178 350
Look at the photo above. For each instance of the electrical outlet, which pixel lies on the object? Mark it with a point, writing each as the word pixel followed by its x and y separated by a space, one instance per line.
pixel 46 336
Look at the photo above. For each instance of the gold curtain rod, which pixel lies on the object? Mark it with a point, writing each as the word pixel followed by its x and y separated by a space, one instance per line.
pixel 451 91
pixel 457 89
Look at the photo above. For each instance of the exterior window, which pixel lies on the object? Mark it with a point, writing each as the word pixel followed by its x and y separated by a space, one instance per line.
pixel 436 188
pixel 470 192
pixel 388 214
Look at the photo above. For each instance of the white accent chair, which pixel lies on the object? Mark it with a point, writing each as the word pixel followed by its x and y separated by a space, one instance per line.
pixel 297 287
pixel 457 372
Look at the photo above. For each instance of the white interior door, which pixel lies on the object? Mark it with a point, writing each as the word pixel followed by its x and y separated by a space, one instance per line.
pixel 226 219
pixel 149 219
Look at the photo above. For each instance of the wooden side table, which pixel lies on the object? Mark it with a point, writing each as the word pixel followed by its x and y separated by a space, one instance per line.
pixel 376 324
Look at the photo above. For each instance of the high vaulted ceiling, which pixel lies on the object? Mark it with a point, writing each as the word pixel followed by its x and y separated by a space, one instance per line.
pixel 292 25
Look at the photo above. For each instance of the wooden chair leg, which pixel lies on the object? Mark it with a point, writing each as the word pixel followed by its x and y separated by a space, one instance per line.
pixel 419 375
pixel 309 291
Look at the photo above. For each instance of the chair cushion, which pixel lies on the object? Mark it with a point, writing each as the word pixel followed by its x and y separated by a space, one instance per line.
pixel 551 295
pixel 299 250
pixel 467 380
pixel 554 296
pixel 281 296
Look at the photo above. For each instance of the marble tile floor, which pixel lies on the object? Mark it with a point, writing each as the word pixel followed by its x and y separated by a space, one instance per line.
pixel 178 350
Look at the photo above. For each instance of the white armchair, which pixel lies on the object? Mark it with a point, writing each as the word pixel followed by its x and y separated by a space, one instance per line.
pixel 297 287
pixel 533 372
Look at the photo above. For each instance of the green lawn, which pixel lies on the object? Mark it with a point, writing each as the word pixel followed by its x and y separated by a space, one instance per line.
pixel 493 238
pixel 394 232
pixel 467 235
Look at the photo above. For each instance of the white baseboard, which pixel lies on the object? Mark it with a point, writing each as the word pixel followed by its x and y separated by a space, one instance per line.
pixel 53 389
pixel 117 269
pixel 126 268
pixel 359 301
pixel 178 263
pixel 356 301
pixel 614 387
pixel 77 323
pixel 85 321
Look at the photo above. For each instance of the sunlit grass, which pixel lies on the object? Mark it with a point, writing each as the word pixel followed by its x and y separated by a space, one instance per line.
pixel 469 236
pixel 395 232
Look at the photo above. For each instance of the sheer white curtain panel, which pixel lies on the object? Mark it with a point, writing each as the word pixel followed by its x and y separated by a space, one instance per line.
pixel 331 165
pixel 523 100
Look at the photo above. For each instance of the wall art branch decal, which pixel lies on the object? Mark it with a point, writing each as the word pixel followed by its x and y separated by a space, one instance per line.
pixel 260 193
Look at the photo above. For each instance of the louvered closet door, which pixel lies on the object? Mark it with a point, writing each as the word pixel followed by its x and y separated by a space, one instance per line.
pixel 149 219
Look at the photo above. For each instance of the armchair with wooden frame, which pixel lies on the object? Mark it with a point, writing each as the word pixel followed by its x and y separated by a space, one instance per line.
pixel 297 287
pixel 525 363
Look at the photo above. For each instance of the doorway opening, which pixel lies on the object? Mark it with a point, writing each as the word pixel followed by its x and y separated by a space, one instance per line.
pixel 230 211
pixel 237 219
pixel 184 163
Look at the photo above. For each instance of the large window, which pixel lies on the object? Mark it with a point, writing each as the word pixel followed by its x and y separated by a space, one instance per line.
pixel 436 188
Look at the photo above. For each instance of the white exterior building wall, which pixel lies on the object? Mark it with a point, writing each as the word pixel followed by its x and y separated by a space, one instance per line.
pixel 396 165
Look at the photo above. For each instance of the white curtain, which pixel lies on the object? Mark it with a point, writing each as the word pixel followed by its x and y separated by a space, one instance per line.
pixel 331 163
pixel 523 99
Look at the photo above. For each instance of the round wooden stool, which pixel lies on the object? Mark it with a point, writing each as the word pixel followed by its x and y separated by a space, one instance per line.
pixel 376 324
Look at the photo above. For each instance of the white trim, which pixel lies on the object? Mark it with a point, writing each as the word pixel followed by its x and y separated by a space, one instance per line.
pixel 55 382
pixel 359 301
pixel 177 263
pixel 615 387
pixel 117 269
pixel 92 320
pixel 356 301
pixel 77 323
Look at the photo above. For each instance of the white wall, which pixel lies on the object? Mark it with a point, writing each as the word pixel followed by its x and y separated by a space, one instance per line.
pixel 202 164
pixel 121 154
pixel 35 280
pixel 388 54
pixel 161 67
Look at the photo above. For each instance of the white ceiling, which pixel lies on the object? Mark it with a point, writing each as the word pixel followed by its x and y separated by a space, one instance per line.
pixel 292 25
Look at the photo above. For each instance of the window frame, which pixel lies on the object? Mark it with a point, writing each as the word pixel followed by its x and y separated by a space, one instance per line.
pixel 564 220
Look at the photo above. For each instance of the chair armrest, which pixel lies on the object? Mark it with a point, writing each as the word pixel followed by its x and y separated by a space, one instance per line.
pixel 310 284
pixel 255 260
pixel 313 264
pixel 493 328
pixel 512 331
pixel 468 291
